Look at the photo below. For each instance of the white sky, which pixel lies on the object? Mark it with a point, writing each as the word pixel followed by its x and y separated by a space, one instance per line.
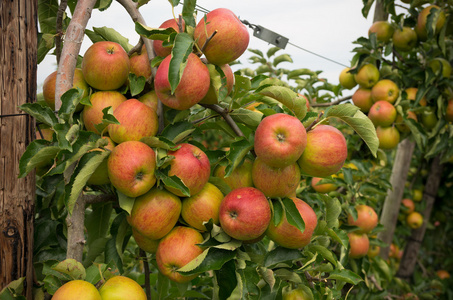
pixel 326 27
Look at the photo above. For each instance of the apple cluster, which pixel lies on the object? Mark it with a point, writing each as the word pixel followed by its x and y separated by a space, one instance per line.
pixel 366 221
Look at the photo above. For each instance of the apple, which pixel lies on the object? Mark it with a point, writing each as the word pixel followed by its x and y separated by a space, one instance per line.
pixel 442 274
pixel 362 99
pixel 323 188
pixel 211 96
pixel 146 244
pixel 176 249
pixel 120 288
pixel 295 294
pixel 449 111
pixel 48 88
pixel 230 41
pixel 202 207
pixel 394 251
pixel 280 140
pixel 131 167
pixel 155 213
pixel 400 125
pixel 404 39
pixel 240 177
pixel 414 220
pixel 140 64
pixel 367 76
pixel 137 120
pixel 367 219
pixel 157 44
pixel 383 31
pixel 411 93
pixel 76 290
pixel 275 182
pixel 385 90
pixel 429 118
pixel 373 251
pixel 358 244
pixel 92 115
pixel 105 66
pixel 44 133
pixel 150 99
pixel 191 165
pixel 245 213
pixel 382 113
pixel 101 176
pixel 407 205
pixel 287 235
pixel 389 137
pixel 439 65
pixel 417 195
pixel 193 86
pixel 422 21
pixel 346 79
pixel 325 153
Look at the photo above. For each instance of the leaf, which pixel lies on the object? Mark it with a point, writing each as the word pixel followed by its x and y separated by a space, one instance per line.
pixel 346 276
pixel 158 142
pixel 250 278
pixel 292 214
pixel 172 181
pixel 160 34
pixel 324 252
pixel 72 268
pixel 238 150
pixel 362 125
pixel 288 98
pixel 338 235
pixel 47 15
pixel 282 58
pixel 136 84
pixel 277 212
pixel 188 11
pixel 177 131
pixel 272 51
pixel 281 255
pixel 295 74
pixel 69 101
pixel 125 202
pixel 38 154
pixel 210 259
pixel 182 48
pixel 241 87
pixel 226 279
pixel 110 34
pixel 333 210
pixel 42 114
pixel 107 119
pixel 247 117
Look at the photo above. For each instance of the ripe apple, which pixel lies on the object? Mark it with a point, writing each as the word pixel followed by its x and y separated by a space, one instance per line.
pixel 245 213
pixel 230 41
pixel 280 140
pixel 358 244
pixel 407 205
pixel 145 243
pixel 414 220
pixel 422 21
pixel 440 65
pixel 92 115
pixel 240 177
pixel 211 96
pixel 48 88
pixel 193 86
pixel 400 125
pixel 202 207
pixel 325 152
pixel 105 66
pixel 157 45
pixel 386 90
pixel 150 99
pixel 382 113
pixel 367 219
pixel 323 188
pixel 383 31
pixel 362 99
pixel 155 213
pixel 347 80
pixel 287 235
pixel 120 288
pixel 131 167
pixel 373 251
pixel 449 111
pixel 442 274
pixel 140 64
pixel 176 249
pixel 367 76
pixel 394 251
pixel 192 166
pixel 389 137
pixel 404 39
pixel 76 290
pixel 137 120
pixel 101 174
pixel 275 182
pixel 411 93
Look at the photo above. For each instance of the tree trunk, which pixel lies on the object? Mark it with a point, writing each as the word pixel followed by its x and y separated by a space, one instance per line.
pixel 409 259
pixel 379 12
pixel 18 65
pixel 391 208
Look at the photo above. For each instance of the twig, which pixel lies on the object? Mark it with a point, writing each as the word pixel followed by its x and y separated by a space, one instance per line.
pixel 59 28
pixel 373 280
pixel 332 103
pixel 180 24
pixel 225 115
pixel 137 48
pixel 315 121
pixel 91 199
pixel 208 40
pixel 144 258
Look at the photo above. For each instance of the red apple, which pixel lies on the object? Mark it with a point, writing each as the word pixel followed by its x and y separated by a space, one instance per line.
pixel 140 64
pixel 150 99
pixel 176 249
pixel 362 99
pixel 358 244
pixel 131 168
pixel 157 44
pixel 211 96
pixel 192 166
pixel 287 235
pixel 382 113
pixel 76 290
pixel 245 213
pixel 120 288
pixel 367 219
pixel 325 153
pixel 137 120
pixel 92 115
pixel 407 205
pixel 240 177
pixel 145 243
pixel 449 111
pixel 230 41
pixel 105 66
pixel 280 140
pixel 385 90
pixel 193 86
pixel 275 182
pixel 202 207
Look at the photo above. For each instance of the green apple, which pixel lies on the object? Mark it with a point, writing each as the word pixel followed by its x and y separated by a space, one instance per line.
pixel 120 288
pixel 346 79
pixel 389 137
pixel 367 76
pixel 404 39
pixel 383 31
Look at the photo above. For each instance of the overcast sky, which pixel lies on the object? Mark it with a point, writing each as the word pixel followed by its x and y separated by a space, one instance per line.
pixel 326 27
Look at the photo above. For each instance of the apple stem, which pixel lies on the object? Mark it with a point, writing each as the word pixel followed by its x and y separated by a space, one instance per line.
pixel 315 121
pixel 208 40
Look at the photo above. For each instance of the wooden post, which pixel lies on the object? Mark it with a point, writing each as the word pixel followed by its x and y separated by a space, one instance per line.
pixel 18 65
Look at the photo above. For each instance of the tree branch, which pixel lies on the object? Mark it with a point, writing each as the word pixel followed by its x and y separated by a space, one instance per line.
pixel 226 116
pixel 331 103
pixel 144 258
pixel 59 28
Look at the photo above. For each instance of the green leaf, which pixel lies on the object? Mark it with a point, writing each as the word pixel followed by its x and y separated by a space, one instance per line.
pixel 296 104
pixel 47 15
pixel 272 51
pixel 182 48
pixel 295 74
pixel 324 252
pixel 362 125
pixel 177 131
pixel 188 11
pixel 42 114
pixel 38 153
pixel 160 34
pixel 247 117
pixel 172 181
pixel 238 150
pixel 136 84
pixel 292 214
pixel 210 259
pixel 281 255
pixel 282 58
pixel 107 119
pixel 69 101
pixel 125 202
pixel 110 34
pixel 346 276
pixel 66 135
pixel 72 268
pixel 158 142
pixel 242 86
pixel 333 210
pixel 339 235
pixel 45 43
pixel 277 212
